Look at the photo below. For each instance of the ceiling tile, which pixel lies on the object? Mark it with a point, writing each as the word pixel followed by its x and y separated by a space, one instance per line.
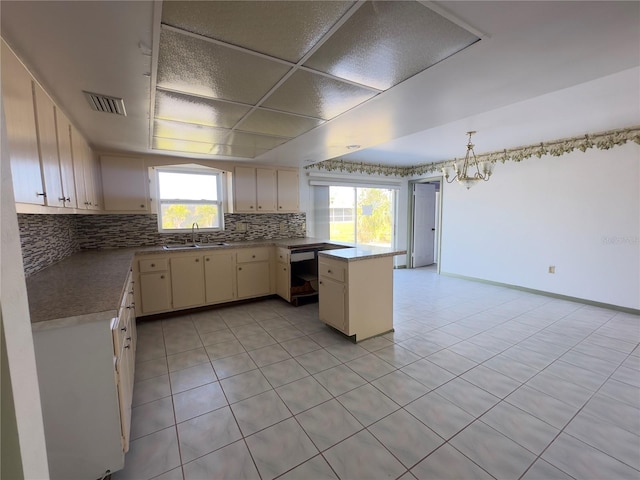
pixel 279 124
pixel 254 140
pixel 188 131
pixel 181 145
pixel 237 151
pixel 317 96
pixel 386 42
pixel 203 111
pixel 285 30
pixel 193 65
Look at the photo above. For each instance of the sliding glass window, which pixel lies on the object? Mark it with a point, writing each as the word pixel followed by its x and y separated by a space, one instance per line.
pixel 362 215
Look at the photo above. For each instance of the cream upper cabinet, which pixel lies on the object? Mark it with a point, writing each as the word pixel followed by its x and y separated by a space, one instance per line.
pixel 220 277
pixel 187 281
pixel 288 191
pixel 17 99
pixel 48 147
pixel 125 184
pixel 87 175
pixel 244 189
pixel 265 190
pixel 63 130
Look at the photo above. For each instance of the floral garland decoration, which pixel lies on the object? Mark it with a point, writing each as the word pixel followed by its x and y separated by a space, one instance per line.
pixel 601 141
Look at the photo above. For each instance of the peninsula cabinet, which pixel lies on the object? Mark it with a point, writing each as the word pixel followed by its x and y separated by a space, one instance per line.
pixel 356 297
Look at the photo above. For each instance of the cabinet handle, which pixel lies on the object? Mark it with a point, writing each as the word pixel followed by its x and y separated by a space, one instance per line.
pixel 280 207
pixel 251 206
pixel 142 205
pixel 162 276
pixel 124 329
pixel 239 268
pixel 329 271
pixel 127 346
pixel 253 256
pixel 207 259
pixel 197 260
pixel 320 282
pixel 129 338
pixel 68 199
pixel 62 199
pixel 259 207
pixel 153 265
pixel 44 194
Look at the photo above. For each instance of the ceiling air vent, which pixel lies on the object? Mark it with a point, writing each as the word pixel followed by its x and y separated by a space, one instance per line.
pixel 105 103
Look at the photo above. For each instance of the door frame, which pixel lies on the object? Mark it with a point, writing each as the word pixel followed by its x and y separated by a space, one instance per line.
pixel 410 218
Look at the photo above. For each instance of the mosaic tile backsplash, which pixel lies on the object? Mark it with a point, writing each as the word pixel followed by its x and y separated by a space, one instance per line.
pixel 47 239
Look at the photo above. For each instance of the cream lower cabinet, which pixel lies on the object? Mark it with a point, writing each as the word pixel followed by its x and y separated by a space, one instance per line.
pixel 253 271
pixel 220 277
pixel 85 375
pixel 356 297
pixel 187 281
pixel 154 292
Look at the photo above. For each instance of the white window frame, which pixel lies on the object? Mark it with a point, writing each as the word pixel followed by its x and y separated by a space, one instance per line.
pixel 194 170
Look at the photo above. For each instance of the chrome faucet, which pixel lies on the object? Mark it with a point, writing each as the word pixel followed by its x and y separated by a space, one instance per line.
pixel 194 226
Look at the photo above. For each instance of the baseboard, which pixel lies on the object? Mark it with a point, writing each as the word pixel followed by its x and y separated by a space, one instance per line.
pixel 633 311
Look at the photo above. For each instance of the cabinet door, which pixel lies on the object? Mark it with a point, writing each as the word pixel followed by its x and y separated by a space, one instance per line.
pixel 288 191
pixel 283 281
pixel 92 175
pixel 17 99
pixel 48 147
pixel 219 277
pixel 266 189
pixel 78 155
pixel 244 191
pixel 253 279
pixel 155 292
pixel 187 282
pixel 63 130
pixel 332 308
pixel 125 184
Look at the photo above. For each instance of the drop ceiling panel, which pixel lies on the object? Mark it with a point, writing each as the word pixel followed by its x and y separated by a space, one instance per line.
pixel 316 95
pixel 237 151
pixel 188 131
pixel 193 65
pixel 264 142
pixel 278 124
pixel 386 42
pixel 285 30
pixel 203 111
pixel 181 145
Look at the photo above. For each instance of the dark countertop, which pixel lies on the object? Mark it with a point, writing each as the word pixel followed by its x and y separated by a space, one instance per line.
pixel 88 285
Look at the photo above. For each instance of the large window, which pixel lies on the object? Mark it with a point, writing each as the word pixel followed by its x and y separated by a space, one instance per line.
pixel 361 215
pixel 188 195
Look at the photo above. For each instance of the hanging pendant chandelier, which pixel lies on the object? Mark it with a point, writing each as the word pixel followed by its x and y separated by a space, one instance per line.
pixel 462 172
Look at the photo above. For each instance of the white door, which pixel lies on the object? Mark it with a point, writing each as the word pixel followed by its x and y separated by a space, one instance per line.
pixel 424 224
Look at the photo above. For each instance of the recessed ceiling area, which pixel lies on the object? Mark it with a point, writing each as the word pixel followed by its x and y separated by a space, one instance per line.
pixel 541 71
pixel 244 86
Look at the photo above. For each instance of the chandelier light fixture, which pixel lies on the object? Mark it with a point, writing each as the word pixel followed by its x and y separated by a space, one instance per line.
pixel 462 175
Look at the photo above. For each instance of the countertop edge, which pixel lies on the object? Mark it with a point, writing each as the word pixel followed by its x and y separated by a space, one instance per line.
pixel 56 323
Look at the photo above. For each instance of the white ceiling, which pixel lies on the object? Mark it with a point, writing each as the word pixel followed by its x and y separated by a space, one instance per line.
pixel 543 70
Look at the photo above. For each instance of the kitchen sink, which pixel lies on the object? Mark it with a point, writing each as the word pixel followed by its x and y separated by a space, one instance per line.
pixel 183 246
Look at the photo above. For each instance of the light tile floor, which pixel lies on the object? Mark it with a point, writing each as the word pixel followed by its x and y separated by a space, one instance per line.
pixel 477 381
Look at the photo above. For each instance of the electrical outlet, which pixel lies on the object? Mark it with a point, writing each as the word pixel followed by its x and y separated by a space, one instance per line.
pixel 241 227
pixel 552 269
pixel 283 227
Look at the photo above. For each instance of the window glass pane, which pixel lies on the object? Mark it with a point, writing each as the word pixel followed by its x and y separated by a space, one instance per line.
pixel 187 186
pixel 341 199
pixel 180 215
pixel 375 216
